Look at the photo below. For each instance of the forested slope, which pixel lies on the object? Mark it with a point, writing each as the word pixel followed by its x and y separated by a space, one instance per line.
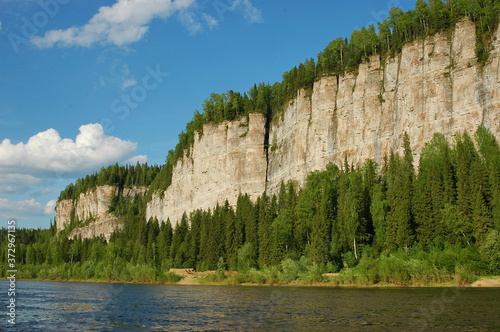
pixel 392 221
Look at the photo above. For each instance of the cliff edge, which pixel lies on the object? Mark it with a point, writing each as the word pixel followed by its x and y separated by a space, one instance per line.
pixel 434 85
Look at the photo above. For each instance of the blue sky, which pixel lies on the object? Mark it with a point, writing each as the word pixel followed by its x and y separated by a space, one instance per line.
pixel 87 83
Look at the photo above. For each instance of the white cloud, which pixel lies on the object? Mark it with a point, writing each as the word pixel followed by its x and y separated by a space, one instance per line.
pixel 128 83
pixel 0 25
pixel 189 20
pixel 250 12
pixel 141 159
pixel 127 21
pixel 47 153
pixel 210 20
pixel 122 23
pixel 24 209
pixel 50 207
pixel 11 184
pixel 29 171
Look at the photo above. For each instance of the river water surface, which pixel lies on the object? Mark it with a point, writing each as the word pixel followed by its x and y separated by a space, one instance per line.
pixel 61 306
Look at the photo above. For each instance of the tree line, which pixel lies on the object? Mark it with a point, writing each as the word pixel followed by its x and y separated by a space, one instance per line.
pixel 344 216
pixel 113 175
pixel 339 56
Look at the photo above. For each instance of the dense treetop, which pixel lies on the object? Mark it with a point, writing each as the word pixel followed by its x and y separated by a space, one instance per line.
pixel 114 175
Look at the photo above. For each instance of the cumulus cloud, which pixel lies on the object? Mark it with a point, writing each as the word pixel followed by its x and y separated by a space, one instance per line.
pixel 127 21
pixel 25 209
pixel 12 184
pixel 47 152
pixel 122 23
pixel 141 159
pixel 29 170
pixel 50 207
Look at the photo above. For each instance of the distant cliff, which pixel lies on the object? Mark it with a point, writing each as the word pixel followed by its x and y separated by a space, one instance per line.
pixel 90 209
pixel 434 85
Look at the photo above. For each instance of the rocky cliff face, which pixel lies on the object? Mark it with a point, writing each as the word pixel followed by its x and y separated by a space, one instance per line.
pixel 91 209
pixel 434 85
pixel 227 159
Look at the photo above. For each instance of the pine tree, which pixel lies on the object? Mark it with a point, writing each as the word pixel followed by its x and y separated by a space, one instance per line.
pixel 246 212
pixel 231 241
pixel 490 154
pixel 400 173
pixel 481 215
pixel 434 189
pixel 266 216
pixel 465 156
pixel 195 220
pixel 178 248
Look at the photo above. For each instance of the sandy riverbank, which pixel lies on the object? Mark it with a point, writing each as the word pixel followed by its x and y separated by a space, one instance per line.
pixel 193 280
pixel 487 282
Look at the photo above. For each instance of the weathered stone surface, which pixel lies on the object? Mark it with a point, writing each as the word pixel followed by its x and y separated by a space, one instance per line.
pixel 301 138
pixel 226 160
pixel 91 208
pixel 434 85
pixel 103 225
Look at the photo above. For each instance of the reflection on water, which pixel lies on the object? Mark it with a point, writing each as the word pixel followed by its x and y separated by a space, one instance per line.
pixel 55 306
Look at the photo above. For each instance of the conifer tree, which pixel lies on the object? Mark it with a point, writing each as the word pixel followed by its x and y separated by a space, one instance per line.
pixel 400 173
pixel 164 241
pixel 490 154
pixel 465 157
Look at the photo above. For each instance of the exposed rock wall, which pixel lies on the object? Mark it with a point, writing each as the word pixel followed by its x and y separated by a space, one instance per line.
pixel 302 137
pixel 226 160
pixel 91 208
pixel 434 85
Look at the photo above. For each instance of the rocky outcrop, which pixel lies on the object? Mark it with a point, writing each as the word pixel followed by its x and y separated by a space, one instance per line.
pixel 302 137
pixel 225 160
pixel 434 85
pixel 91 209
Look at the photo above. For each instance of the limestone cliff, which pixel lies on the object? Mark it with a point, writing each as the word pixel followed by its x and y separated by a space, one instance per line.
pixel 91 209
pixel 226 160
pixel 433 85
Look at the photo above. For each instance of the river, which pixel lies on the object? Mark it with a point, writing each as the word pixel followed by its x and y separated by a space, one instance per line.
pixel 66 306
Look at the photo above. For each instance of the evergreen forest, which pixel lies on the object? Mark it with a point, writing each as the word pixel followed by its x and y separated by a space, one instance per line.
pixel 397 222
pixel 391 223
